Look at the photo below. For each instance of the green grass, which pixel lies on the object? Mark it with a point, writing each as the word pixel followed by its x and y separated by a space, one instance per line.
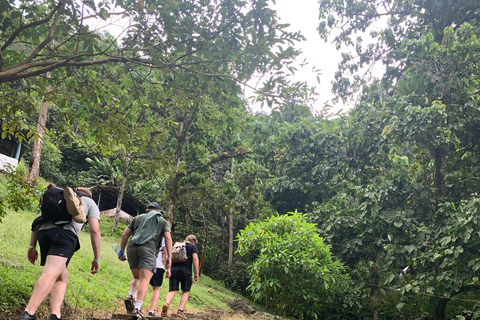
pixel 87 295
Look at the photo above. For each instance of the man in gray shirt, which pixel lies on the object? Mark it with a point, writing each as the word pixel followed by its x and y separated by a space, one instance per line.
pixel 58 242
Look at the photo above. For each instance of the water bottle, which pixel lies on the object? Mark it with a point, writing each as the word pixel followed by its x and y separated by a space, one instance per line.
pixel 118 250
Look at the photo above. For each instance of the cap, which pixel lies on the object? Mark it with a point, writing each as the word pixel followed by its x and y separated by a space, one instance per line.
pixel 154 205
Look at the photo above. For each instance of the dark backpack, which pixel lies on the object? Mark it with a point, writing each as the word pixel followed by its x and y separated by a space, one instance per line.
pixel 53 206
pixel 179 252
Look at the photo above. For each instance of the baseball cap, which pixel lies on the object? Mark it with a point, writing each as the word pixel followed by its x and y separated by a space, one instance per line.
pixel 154 205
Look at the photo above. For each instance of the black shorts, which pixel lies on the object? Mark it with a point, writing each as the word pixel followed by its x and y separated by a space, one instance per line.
pixel 180 275
pixel 57 242
pixel 157 279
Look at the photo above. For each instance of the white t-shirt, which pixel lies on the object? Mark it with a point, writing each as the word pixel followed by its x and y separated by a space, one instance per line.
pixel 160 256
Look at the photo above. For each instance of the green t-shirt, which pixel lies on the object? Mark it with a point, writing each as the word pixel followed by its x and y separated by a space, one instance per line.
pixel 154 244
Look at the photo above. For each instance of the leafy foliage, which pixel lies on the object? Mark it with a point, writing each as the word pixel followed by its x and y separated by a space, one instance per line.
pixel 293 271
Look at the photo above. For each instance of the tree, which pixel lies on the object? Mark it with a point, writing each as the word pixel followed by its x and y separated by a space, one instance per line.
pixel 293 270
pixel 389 23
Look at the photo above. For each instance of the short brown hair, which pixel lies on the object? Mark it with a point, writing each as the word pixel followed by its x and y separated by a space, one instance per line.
pixel 191 238
pixel 85 190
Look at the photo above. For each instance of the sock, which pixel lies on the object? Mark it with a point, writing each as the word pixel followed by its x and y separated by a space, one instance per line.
pixel 138 304
pixel 132 292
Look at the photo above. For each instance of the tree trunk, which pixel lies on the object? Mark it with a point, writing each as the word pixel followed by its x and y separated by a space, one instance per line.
pixel 116 220
pixel 230 229
pixel 205 235
pixel 376 279
pixel 174 184
pixel 439 154
pixel 37 146
pixel 171 204
pixel 439 309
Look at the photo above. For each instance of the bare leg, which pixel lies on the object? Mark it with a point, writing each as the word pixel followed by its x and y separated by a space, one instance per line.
pixel 154 298
pixel 58 293
pixel 53 269
pixel 183 300
pixel 170 296
pixel 145 276
pixel 134 285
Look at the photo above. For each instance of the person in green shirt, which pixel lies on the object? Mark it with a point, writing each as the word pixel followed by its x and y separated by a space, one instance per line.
pixel 147 231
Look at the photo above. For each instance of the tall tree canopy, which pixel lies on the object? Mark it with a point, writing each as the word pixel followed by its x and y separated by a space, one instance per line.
pixel 389 23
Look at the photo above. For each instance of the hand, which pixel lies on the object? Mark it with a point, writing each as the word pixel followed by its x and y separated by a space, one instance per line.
pixel 196 277
pixel 32 255
pixel 95 266
pixel 168 274
pixel 122 258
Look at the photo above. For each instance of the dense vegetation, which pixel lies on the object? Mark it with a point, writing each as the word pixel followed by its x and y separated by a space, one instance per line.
pixel 392 187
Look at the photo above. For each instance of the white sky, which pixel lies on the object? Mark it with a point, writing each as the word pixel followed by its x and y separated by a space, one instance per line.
pixel 302 15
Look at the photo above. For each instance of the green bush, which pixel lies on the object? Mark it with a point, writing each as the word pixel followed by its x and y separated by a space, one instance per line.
pixel 293 271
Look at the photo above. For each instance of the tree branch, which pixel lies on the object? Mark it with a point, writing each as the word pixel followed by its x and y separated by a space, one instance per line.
pixel 30 25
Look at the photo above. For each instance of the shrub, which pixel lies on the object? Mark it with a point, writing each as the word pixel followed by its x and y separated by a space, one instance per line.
pixel 293 271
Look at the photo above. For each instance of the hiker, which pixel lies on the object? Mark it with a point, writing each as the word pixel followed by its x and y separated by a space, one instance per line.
pixel 182 273
pixel 157 279
pixel 57 246
pixel 147 231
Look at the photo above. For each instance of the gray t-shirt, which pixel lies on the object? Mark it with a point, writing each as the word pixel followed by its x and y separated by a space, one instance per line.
pixel 91 211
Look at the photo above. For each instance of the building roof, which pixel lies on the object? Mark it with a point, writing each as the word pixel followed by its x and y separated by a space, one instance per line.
pixel 108 199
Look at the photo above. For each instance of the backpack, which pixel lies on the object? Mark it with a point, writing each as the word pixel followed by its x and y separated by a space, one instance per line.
pixel 58 204
pixel 179 252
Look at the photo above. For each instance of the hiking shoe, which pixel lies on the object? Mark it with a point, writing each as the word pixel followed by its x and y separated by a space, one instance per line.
pixel 151 314
pixel 164 311
pixel 130 304
pixel 54 317
pixel 181 314
pixel 137 314
pixel 26 316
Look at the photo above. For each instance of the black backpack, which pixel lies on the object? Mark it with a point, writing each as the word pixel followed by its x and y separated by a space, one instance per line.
pixel 53 206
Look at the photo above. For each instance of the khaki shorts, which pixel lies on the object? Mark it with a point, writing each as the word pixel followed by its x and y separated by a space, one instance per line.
pixel 141 257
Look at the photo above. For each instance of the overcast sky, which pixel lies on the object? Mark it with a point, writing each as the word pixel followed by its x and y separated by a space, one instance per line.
pixel 302 16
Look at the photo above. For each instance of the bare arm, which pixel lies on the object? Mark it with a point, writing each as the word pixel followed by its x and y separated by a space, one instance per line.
pixel 127 233
pixel 168 245
pixel 195 265
pixel 96 240
pixel 32 253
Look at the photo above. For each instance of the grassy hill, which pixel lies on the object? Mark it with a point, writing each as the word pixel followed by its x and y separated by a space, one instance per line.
pixel 87 295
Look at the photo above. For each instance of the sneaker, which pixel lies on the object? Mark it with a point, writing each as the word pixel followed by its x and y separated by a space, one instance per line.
pixel 130 304
pixel 181 314
pixel 151 314
pixel 26 316
pixel 54 317
pixel 164 311
pixel 137 314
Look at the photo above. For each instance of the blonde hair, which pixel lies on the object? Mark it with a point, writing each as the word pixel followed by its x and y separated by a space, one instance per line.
pixel 85 190
pixel 191 238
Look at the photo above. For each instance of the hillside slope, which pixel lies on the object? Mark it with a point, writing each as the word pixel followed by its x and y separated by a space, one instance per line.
pixel 87 296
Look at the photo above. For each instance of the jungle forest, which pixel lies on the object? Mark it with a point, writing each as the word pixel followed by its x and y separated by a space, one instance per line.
pixel 367 214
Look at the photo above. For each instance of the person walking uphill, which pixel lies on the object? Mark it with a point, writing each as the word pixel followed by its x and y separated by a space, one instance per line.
pixel 147 231
pixel 58 242
pixel 182 273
